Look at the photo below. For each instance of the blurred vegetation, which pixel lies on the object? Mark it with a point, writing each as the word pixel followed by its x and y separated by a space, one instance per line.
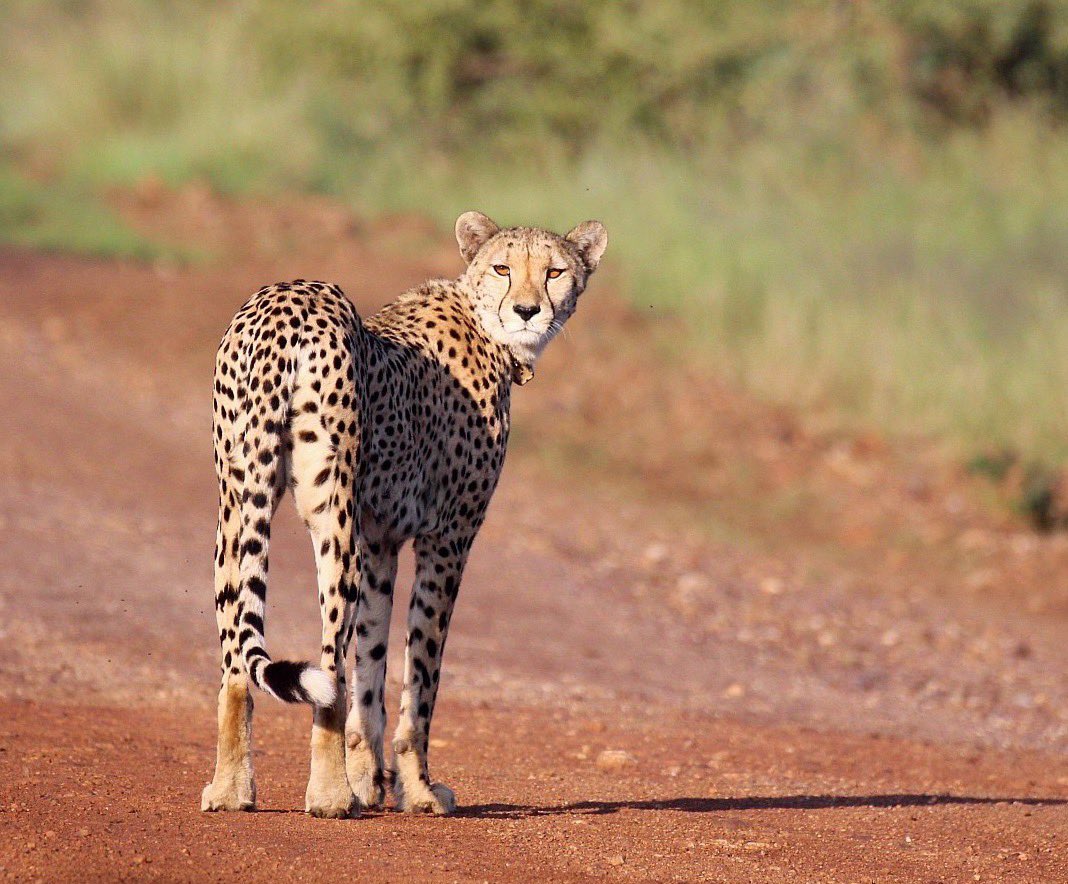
pixel 57 217
pixel 859 207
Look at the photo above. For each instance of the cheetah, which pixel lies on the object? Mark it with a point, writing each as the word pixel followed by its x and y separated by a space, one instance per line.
pixel 386 431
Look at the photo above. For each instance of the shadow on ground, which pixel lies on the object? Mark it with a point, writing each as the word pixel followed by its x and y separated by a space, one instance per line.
pixel 755 802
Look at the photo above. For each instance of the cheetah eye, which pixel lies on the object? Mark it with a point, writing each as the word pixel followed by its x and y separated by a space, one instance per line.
pixel 501 269
pixel 554 272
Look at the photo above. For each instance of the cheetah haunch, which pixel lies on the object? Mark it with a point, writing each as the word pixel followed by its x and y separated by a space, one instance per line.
pixel 388 430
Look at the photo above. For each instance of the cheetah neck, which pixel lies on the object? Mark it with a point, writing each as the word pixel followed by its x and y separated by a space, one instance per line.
pixel 521 372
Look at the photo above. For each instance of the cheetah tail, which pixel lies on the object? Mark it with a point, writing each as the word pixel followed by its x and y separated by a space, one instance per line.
pixel 296 682
pixel 286 680
pixel 291 682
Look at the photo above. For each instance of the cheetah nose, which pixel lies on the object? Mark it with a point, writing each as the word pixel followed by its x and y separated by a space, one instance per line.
pixel 525 311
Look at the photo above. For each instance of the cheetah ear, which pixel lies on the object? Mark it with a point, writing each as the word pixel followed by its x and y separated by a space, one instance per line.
pixel 591 239
pixel 473 229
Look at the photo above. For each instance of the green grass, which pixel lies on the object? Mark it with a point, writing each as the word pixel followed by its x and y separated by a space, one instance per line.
pixel 860 209
pixel 928 300
pixel 61 218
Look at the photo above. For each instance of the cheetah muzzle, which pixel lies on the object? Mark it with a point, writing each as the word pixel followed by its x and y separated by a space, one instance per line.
pixel 385 431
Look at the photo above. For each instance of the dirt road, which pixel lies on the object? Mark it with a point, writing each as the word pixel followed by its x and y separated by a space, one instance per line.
pixel 816 657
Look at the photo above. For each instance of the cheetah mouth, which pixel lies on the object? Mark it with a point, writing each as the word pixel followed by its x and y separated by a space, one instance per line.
pixel 523 341
pixel 523 329
pixel 528 336
pixel 523 337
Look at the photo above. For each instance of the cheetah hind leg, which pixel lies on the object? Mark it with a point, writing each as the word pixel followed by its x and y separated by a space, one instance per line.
pixel 233 787
pixel 329 795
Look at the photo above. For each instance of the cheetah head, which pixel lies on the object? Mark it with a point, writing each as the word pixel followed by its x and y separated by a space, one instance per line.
pixel 524 281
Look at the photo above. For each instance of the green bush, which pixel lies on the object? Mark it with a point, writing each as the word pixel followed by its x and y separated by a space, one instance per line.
pixel 858 207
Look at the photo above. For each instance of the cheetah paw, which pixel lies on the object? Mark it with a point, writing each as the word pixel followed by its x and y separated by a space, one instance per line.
pixel 331 804
pixel 332 811
pixel 439 799
pixel 228 797
pixel 370 792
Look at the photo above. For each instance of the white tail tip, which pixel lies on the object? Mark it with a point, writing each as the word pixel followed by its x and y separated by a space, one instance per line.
pixel 319 686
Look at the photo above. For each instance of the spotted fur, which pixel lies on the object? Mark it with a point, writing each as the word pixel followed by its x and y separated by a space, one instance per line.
pixel 385 431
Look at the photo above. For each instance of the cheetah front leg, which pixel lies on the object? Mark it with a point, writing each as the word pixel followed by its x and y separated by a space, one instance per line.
pixel 439 566
pixel 366 725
